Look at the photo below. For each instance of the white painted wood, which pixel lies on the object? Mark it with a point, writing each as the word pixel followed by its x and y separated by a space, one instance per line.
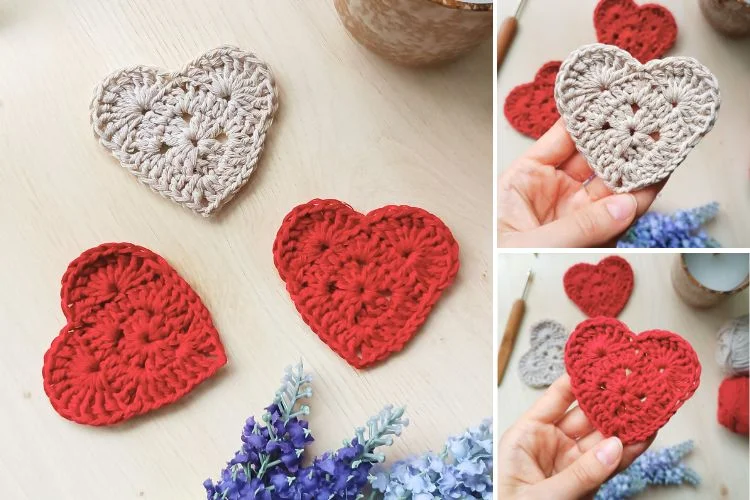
pixel 350 126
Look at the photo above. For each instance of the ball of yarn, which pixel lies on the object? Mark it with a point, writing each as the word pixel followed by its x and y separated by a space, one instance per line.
pixel 732 348
pixel 734 405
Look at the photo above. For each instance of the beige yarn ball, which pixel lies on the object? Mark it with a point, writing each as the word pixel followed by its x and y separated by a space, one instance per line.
pixel 732 347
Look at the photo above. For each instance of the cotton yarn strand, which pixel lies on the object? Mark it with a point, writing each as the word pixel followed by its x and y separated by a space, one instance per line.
pixel 732 347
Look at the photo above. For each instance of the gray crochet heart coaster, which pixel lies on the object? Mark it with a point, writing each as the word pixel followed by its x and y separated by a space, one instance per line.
pixel 194 136
pixel 634 123
pixel 543 363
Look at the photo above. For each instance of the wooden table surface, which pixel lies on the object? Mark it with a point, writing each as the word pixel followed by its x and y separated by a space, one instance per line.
pixel 350 126
pixel 718 169
pixel 720 456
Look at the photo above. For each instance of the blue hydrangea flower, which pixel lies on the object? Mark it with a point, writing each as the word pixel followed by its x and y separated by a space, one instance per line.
pixel 682 229
pixel 269 464
pixel 660 467
pixel 462 471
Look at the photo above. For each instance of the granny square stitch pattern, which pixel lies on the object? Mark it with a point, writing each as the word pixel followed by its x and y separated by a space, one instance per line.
pixel 602 289
pixel 364 284
pixel 629 385
pixel 634 123
pixel 647 31
pixel 543 363
pixel 193 136
pixel 137 337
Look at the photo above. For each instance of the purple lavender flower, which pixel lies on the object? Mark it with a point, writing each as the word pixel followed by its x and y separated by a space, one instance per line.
pixel 344 473
pixel 661 467
pixel 331 476
pixel 269 464
pixel 682 229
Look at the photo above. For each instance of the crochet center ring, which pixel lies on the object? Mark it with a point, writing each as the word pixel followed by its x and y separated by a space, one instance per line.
pixel 629 385
pixel 365 284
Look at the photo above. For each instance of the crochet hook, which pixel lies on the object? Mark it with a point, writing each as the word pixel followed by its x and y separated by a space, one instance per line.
pixel 511 330
pixel 506 33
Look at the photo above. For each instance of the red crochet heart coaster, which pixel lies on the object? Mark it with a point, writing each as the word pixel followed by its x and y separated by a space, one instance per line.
pixel 647 32
pixel 629 385
pixel 364 283
pixel 602 289
pixel 530 107
pixel 137 337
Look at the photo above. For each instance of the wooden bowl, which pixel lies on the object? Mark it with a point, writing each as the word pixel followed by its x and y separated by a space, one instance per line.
pixel 693 292
pixel 417 32
pixel 730 17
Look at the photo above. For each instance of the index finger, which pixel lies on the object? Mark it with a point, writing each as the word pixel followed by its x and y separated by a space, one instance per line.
pixel 554 402
pixel 554 147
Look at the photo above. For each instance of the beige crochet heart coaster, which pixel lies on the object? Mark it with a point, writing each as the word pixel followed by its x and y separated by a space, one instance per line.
pixel 634 123
pixel 194 136
pixel 543 363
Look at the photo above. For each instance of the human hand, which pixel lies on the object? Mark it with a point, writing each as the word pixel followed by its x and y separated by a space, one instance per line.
pixel 551 452
pixel 542 201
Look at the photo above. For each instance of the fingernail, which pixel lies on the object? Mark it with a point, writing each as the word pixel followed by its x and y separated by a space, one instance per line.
pixel 609 451
pixel 621 206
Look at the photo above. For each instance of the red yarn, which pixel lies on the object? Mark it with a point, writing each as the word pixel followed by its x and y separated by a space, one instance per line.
pixel 530 107
pixel 629 385
pixel 137 337
pixel 647 32
pixel 733 404
pixel 364 283
pixel 602 289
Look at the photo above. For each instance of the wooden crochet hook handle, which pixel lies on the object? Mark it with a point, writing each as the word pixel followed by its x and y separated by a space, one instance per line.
pixel 509 337
pixel 511 330
pixel 505 35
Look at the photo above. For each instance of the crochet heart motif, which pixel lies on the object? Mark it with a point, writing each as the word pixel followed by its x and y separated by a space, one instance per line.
pixel 602 289
pixel 137 337
pixel 530 107
pixel 647 32
pixel 364 283
pixel 543 363
pixel 634 123
pixel 629 385
pixel 194 136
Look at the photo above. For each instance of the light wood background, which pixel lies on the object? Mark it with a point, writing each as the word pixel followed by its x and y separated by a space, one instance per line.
pixel 720 456
pixel 350 126
pixel 717 169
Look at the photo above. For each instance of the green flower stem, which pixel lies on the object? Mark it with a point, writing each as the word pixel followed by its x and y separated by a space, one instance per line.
pixel 380 429
pixel 295 386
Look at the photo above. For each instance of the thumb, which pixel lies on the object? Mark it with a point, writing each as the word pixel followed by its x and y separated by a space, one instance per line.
pixel 588 472
pixel 592 225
